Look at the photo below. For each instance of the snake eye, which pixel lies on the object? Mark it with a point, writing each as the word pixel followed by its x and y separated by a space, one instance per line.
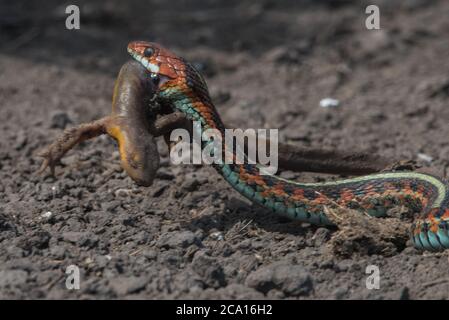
pixel 155 78
pixel 148 52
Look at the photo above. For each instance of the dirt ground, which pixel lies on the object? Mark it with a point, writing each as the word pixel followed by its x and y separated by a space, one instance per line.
pixel 190 235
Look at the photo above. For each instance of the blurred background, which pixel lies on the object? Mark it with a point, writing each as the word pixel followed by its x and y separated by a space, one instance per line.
pixel 36 29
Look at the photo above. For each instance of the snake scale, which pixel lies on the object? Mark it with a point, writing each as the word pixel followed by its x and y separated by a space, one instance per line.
pixel 180 86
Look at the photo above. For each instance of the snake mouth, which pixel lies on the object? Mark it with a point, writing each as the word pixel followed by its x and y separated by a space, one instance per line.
pixel 153 68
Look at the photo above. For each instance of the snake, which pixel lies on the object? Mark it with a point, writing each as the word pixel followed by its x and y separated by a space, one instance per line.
pixel 180 86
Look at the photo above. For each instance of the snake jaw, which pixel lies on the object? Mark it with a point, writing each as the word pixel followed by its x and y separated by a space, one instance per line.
pixel 157 59
pixel 153 68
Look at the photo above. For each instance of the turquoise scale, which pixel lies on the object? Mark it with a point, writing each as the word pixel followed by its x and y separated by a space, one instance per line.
pixel 444 239
pixel 433 240
pixel 425 243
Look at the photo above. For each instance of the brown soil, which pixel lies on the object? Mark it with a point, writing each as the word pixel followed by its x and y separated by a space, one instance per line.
pixel 190 235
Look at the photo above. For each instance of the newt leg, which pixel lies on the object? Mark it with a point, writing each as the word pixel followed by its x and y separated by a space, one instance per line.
pixel 168 122
pixel 70 138
pixel 165 124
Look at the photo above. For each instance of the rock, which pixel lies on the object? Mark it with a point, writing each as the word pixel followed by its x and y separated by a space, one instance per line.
pixel 209 269
pixel 181 239
pixel 329 103
pixel 344 265
pixel 47 215
pixel 292 279
pixel 59 120
pixel 217 235
pixel 425 157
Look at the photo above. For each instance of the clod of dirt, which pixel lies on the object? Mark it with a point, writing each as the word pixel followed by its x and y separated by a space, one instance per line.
pixel 292 280
pixel 86 239
pixel 34 240
pixel 59 120
pixel 209 269
pixel 365 235
pixel 177 239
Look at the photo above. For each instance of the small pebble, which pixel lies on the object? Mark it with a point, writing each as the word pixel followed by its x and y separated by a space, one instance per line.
pixel 123 192
pixel 47 215
pixel 217 236
pixel 329 103
pixel 424 157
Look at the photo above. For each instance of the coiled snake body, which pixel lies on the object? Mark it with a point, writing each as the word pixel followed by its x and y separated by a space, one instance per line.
pixel 180 86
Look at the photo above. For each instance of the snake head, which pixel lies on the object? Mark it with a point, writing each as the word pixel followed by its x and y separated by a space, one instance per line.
pixel 163 65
